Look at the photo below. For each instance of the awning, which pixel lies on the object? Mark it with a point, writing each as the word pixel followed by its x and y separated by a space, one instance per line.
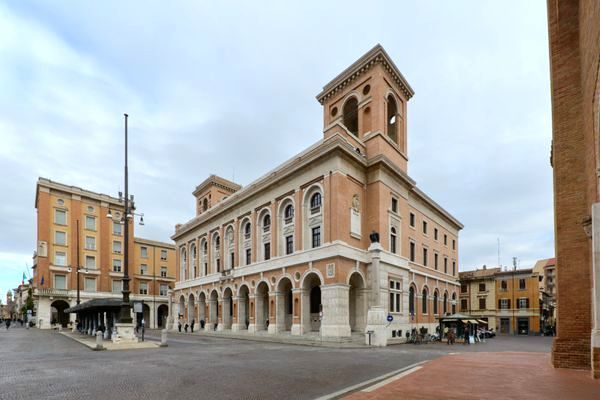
pixel 473 321
pixel 482 321
pixel 96 304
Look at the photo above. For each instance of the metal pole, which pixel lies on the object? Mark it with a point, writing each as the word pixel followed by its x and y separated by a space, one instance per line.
pixel 78 261
pixel 125 316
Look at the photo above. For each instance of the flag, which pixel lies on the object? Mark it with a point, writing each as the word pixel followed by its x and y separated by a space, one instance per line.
pixel 23 281
pixel 42 282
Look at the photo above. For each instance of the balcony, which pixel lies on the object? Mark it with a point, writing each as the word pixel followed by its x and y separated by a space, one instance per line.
pixel 52 292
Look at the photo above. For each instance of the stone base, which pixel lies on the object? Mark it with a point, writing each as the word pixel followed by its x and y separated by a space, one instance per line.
pixel 125 334
pixel 296 329
pixel 220 327
pixel 571 353
pixel 376 322
pixel 236 327
pixel 252 328
pixel 336 331
pixel 272 329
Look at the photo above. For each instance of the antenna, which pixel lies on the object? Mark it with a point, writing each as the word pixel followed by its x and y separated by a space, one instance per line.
pixel 498 251
pixel 515 262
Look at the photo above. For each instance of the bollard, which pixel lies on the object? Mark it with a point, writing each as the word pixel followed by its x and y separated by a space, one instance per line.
pixel 99 338
pixel 163 338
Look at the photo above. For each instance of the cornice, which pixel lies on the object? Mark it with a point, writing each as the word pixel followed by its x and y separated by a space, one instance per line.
pixel 377 55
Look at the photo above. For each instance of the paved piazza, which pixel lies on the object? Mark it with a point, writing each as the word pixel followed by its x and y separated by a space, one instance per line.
pixel 38 364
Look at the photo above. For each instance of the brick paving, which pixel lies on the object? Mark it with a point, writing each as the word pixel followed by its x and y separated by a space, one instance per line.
pixel 483 375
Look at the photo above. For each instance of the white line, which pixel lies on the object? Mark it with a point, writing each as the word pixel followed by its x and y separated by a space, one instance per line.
pixel 390 380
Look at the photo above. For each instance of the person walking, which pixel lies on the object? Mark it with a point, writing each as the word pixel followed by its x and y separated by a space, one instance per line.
pixel 7 324
pixel 179 325
pixel 466 334
pixel 185 328
pixel 192 325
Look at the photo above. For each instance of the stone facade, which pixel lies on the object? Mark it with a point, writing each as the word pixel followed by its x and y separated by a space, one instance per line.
pixel 574 36
pixel 60 209
pixel 291 252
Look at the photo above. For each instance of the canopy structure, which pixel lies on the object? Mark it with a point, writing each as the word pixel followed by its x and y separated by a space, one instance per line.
pixel 460 323
pixel 97 315
pixel 96 305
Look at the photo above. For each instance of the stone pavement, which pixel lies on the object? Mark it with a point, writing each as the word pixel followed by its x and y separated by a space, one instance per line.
pixel 90 342
pixel 482 375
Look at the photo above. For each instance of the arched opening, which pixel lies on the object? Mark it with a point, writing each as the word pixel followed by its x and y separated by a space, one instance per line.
pixel 214 310
pixel 230 245
pixel 313 235
pixel 202 309
pixel 181 311
pixel 286 228
pixel 162 313
pixel 243 307
pixel 204 204
pixel 350 112
pixel 245 252
pixel 445 302
pixel 262 306
pixel 57 313
pixel 204 257
pixel 435 302
pixel 453 303
pixel 227 308
pixel 264 233
pixel 216 253
pixel 191 309
pixel 392 119
pixel 424 300
pixel 357 303
pixel 284 305
pixel 311 303
pixel 411 301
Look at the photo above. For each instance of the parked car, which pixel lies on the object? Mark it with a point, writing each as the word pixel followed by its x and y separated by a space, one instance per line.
pixel 488 333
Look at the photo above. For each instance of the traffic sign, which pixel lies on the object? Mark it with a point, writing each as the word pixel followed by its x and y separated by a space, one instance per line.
pixel 390 318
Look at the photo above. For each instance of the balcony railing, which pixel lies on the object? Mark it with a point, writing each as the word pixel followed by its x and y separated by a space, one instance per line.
pixel 52 292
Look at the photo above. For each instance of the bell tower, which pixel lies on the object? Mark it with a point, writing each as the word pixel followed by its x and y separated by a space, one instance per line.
pixel 366 103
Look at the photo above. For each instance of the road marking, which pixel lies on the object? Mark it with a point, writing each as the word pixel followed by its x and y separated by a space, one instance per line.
pixel 392 379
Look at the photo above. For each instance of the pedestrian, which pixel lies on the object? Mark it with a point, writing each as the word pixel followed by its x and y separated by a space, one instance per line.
pixel 179 325
pixel 466 334
pixel 185 328
pixel 192 325
pixel 7 324
pixel 446 330
pixel 202 323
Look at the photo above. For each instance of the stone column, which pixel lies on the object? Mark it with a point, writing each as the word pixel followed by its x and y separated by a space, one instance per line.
pixel 297 295
pixel 252 311
pixel 212 315
pixel 105 322
pixel 237 325
pixel 280 312
pixel 275 303
pixel 595 339
pixel 220 325
pixel 336 310
pixel 170 324
pixel 376 316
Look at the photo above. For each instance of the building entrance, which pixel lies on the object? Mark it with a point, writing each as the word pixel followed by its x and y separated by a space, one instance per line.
pixel 505 326
pixel 523 326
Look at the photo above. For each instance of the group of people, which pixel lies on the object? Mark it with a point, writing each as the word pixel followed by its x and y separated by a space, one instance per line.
pixel 9 321
pixel 190 326
pixel 450 334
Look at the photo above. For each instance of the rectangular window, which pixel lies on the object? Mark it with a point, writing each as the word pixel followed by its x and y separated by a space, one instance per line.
pixel 90 223
pixel 144 269
pixel 394 205
pixel 316 237
pixel 453 267
pixel 393 242
pixel 463 304
pixel 453 244
pixel 435 233
pixel 144 252
pixel 60 217
pixel 504 304
pixel 116 265
pixel 90 284
pixel 463 288
pixel 522 284
pixel 267 251
pixel 482 304
pixel 90 262
pixel 424 256
pixel 117 286
pixel 163 272
pixel 232 259
pixel 117 228
pixel 445 265
pixel 117 247
pixel 412 220
pixel 395 296
pixel 482 287
pixel 248 256
pixel 218 262
pixel 163 255
pixel 412 251
pixel 143 288
pixel 425 227
pixel 289 244
pixel 163 290
pixel 60 281
pixel 90 243
pixel 523 303
pixel 445 240
pixel 435 260
pixel 60 238
pixel 60 258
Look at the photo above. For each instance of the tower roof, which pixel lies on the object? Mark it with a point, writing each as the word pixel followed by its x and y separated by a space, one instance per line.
pixel 376 55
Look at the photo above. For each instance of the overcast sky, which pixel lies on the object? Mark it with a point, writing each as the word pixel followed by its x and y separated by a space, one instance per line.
pixel 229 88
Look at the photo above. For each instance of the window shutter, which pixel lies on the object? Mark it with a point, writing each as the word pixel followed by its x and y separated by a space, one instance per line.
pixel 508 303
pixel 499 304
pixel 518 303
pixel 527 302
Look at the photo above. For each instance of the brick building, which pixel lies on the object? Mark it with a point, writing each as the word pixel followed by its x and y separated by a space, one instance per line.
pixel 68 214
pixel 574 37
pixel 293 250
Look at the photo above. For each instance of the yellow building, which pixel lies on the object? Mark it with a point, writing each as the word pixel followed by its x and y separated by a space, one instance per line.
pixel 478 294
pixel 517 299
pixel 73 229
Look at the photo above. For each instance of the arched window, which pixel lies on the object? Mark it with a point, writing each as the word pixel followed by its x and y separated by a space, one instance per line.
pixel 205 204
pixel 183 265
pixel 435 302
pixel 411 301
pixel 217 253
pixel 204 257
pixel 445 303
pixel 453 303
pixel 267 223
pixel 194 262
pixel 247 230
pixel 315 203
pixel 289 214
pixel 393 238
pixel 351 115
pixel 424 300
pixel 392 118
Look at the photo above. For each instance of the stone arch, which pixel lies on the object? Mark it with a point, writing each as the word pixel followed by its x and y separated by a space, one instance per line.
pixel 286 225
pixel 243 306
pixel 307 273
pixel 392 118
pixel 350 113
pixel 245 242
pixel 229 247
pixel 191 315
pixel 357 302
pixel 213 309
pixel 412 299
pixel 58 314
pixel 425 300
pixel 285 308
pixel 311 300
pixel 263 234
pixel 227 307
pixel 262 305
